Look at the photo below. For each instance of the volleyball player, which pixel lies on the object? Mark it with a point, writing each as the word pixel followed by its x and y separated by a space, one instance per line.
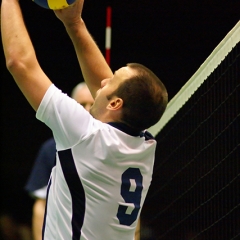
pixel 104 158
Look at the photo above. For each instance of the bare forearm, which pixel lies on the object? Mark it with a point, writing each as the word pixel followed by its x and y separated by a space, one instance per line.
pixel 92 63
pixel 38 216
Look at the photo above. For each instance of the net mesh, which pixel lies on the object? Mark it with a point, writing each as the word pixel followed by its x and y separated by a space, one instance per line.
pixel 195 193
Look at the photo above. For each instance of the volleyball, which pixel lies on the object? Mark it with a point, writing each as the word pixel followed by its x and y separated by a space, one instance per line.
pixel 54 4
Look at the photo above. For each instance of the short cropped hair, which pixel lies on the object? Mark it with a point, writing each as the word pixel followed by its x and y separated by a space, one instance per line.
pixel 144 98
pixel 77 88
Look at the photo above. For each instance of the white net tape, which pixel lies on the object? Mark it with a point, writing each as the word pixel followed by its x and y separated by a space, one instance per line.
pixel 210 64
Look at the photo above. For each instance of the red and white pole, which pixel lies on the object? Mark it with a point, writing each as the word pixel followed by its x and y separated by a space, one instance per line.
pixel 108 34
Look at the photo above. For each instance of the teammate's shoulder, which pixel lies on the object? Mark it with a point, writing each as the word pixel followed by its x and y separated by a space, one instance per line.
pixel 49 143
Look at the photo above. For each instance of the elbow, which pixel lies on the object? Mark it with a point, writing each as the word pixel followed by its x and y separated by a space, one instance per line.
pixel 15 65
pixel 12 63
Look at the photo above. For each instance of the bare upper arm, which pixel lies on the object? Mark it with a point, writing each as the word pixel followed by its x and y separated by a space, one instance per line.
pixel 32 81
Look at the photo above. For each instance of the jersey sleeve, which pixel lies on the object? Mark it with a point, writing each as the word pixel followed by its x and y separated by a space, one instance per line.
pixel 67 119
pixel 42 168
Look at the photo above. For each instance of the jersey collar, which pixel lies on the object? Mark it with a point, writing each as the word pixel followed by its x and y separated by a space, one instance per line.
pixel 130 131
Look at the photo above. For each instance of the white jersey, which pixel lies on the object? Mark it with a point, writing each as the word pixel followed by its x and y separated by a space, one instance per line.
pixel 102 174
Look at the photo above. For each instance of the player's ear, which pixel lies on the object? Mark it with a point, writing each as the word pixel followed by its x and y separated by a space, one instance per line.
pixel 115 104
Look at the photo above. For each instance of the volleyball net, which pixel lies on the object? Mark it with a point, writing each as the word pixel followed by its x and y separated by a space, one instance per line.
pixel 195 193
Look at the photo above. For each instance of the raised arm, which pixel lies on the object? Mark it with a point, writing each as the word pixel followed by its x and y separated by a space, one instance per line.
pixel 20 56
pixel 92 62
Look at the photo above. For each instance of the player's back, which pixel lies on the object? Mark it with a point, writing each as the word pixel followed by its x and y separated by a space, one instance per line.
pixel 101 185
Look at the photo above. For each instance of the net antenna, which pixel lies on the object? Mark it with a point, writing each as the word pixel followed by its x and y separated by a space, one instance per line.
pixel 210 64
pixel 108 35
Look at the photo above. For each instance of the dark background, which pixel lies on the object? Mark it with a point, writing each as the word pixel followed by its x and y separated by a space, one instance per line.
pixel 173 38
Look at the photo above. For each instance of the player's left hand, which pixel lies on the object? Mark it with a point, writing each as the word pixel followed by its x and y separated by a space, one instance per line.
pixel 72 14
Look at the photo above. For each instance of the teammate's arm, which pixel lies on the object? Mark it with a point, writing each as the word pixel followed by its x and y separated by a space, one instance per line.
pixel 20 56
pixel 93 64
pixel 37 218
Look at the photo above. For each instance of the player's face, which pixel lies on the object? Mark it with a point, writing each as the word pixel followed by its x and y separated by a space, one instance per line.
pixel 108 86
pixel 85 98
